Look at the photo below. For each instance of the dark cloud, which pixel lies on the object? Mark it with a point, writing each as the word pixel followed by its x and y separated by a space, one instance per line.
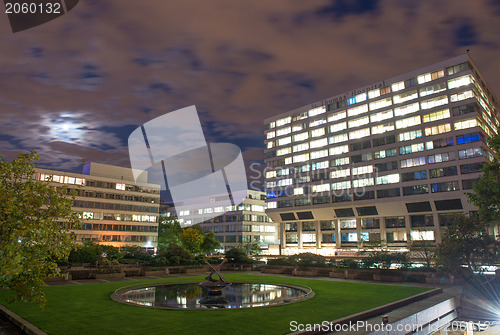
pixel 338 9
pixel 75 88
pixel 465 34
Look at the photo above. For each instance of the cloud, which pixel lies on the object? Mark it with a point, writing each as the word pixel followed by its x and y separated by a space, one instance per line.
pixel 117 64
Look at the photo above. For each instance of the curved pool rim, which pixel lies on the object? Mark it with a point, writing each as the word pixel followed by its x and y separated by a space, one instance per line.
pixel 309 293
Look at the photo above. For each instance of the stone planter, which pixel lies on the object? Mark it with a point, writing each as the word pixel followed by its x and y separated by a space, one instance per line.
pixel 154 273
pixel 388 277
pixel 109 275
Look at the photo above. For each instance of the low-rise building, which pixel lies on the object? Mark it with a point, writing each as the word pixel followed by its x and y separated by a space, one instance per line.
pixel 116 210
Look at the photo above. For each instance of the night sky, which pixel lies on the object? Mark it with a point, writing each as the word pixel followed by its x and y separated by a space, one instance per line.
pixel 76 87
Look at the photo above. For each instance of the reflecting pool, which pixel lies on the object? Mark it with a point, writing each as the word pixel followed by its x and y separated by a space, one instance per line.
pixel 194 296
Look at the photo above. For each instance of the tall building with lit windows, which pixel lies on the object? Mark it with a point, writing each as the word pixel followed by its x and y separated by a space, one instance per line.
pixel 116 210
pixel 391 161
pixel 234 225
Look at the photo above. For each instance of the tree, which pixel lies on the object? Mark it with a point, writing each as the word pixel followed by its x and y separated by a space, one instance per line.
pixel 191 239
pixel 34 232
pixel 466 243
pixel 169 230
pixel 424 250
pixel 209 243
pixel 252 248
pixel 487 187
pixel 237 255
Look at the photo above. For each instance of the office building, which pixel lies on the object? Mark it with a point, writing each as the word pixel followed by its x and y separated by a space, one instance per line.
pixel 236 225
pixel 391 161
pixel 115 209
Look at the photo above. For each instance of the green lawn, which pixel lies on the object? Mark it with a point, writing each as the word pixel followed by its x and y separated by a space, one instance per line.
pixel 88 309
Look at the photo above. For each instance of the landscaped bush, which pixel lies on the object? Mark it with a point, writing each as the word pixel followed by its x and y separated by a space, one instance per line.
pixel 237 255
pixel 281 261
pixel 308 259
pixel 347 264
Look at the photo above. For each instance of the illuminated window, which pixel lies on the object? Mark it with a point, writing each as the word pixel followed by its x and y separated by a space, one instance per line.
pixel 385 153
pixel 380 103
pixel 272 125
pixel 362 170
pixel 301 147
pixel 439 158
pixel 270 134
pixel 380 116
pixel 338 127
pixel 410 135
pixel 284 151
pixel 300 116
pixel 288 160
pixel 471 153
pixel 359 133
pixel 283 131
pixel 433 89
pixel 285 182
pixel 120 187
pixel 358 122
pixel 439 143
pixel 408 149
pixel 460 81
pixel 283 121
pixel 317 122
pixel 398 86
pixel 411 162
pixel 337 116
pixel 298 127
pixel 467 123
pixel 300 158
pixel 340 173
pixel 461 96
pixel 285 140
pixel 403 97
pixel 321 188
pixel 382 128
pixel 317 111
pixel 437 129
pixel 362 182
pixel 340 161
pixel 271 204
pixel 356 99
pixel 319 165
pixel 338 138
pixel 422 235
pixel 270 174
pixel 407 109
pixel 445 187
pixel 378 92
pixel 357 110
pixel 298 191
pixel 342 185
pixel 388 179
pixel 319 154
pixel 300 137
pixel 284 172
pixel 439 115
pixel 430 76
pixel 270 144
pixel 319 143
pixel 339 150
pixel 434 102
pixel 318 132
pixel 408 122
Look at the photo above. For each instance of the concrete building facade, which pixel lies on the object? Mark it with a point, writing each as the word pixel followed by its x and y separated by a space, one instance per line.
pixel 390 162
pixel 116 210
pixel 236 225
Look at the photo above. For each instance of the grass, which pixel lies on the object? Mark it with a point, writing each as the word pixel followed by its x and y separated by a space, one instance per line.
pixel 88 309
